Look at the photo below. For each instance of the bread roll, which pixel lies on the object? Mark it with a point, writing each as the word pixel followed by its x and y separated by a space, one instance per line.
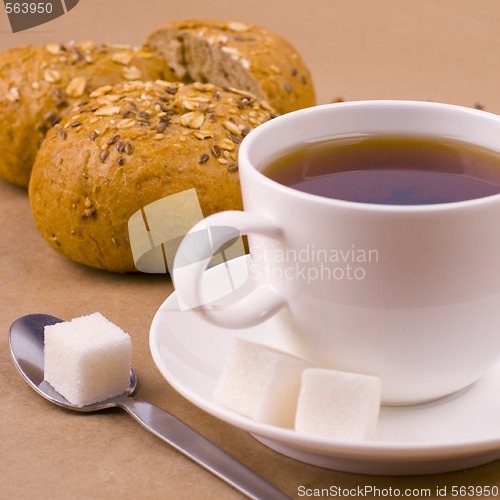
pixel 239 55
pixel 38 85
pixel 128 146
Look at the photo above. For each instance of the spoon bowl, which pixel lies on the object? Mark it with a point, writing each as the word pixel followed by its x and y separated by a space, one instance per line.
pixel 26 339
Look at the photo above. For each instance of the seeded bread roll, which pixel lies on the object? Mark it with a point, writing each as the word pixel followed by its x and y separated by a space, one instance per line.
pixel 38 85
pixel 131 145
pixel 238 55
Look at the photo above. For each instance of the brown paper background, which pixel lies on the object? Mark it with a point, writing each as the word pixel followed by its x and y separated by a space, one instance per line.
pixel 441 50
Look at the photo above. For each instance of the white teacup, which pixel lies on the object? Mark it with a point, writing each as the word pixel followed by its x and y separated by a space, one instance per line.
pixel 421 305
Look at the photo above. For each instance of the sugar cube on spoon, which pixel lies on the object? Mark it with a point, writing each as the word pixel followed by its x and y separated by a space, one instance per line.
pixel 87 359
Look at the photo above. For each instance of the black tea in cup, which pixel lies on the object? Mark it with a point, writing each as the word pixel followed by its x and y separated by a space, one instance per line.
pixel 390 169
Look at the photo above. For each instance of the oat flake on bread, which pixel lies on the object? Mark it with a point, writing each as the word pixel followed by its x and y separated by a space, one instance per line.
pixel 129 145
pixel 240 55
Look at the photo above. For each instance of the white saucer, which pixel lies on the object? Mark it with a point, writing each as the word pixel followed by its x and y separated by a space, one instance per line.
pixel 453 433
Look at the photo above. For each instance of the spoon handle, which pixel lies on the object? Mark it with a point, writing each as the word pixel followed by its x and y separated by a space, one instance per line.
pixel 200 449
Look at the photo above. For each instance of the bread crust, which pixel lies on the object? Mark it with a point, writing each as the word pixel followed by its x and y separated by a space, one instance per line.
pixel 39 85
pixel 239 55
pixel 129 146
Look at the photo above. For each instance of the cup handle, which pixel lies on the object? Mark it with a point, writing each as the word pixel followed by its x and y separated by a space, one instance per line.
pixel 194 254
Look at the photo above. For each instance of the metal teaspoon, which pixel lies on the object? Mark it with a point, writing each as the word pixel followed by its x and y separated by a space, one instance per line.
pixel 26 338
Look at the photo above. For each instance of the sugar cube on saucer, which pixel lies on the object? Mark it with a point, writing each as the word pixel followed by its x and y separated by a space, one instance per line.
pixel 87 359
pixel 261 383
pixel 335 404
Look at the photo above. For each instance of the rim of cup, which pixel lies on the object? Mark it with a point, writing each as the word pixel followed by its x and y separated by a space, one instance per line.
pixel 259 133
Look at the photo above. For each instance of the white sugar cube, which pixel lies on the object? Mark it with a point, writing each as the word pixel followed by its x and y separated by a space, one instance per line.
pixel 87 359
pixel 261 383
pixel 335 404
